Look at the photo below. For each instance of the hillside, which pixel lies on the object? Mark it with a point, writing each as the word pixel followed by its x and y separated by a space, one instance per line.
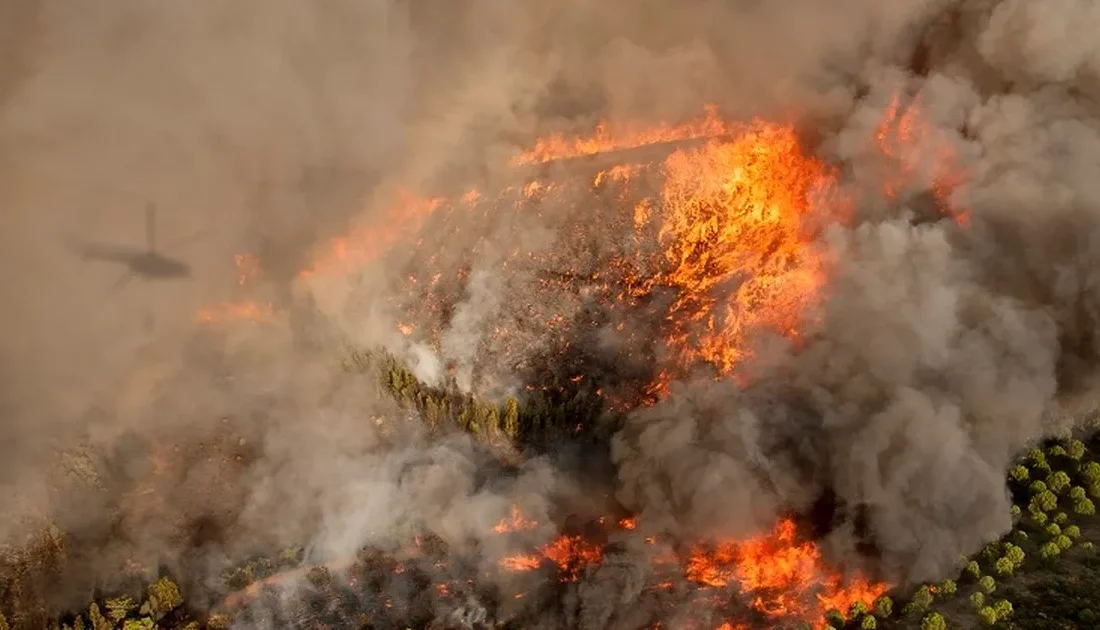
pixel 1043 574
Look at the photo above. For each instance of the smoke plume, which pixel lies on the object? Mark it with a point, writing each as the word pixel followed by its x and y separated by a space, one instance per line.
pixel 955 325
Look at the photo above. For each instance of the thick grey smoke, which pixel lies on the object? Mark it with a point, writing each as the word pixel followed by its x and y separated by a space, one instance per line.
pixel 938 353
pixel 941 352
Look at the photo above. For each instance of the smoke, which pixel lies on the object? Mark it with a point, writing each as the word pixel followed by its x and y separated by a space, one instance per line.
pixel 938 353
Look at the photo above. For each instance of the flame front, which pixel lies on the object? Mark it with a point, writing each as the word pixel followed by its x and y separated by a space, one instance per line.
pixel 785 578
pixel 777 575
pixel 736 242
pixel 728 228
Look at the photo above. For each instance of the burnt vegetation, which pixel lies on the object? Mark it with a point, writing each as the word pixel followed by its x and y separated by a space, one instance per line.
pixel 1040 575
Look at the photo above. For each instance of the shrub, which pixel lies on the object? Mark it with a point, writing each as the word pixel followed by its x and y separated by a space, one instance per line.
pixel 1091 473
pixel 1087 547
pixel 987 615
pixel 992 551
pixel 1038 461
pixel 1020 536
pixel 933 621
pixel 1015 510
pixel 987 584
pixel 1045 501
pixel 923 597
pixel 835 618
pixel 1036 456
pixel 1056 451
pixel 1061 518
pixel 977 599
pixel 973 569
pixel 1050 551
pixel 1019 473
pixel 857 610
pixel 911 610
pixel 1075 449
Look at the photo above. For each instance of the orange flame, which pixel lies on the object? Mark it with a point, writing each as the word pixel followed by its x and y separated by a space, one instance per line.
pixel 905 137
pixel 366 243
pixel 787 579
pixel 735 240
pixel 608 137
pixel 515 522
pixel 235 311
pixel 783 578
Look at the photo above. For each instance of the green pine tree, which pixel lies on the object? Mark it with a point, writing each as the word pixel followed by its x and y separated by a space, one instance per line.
pixel 492 421
pixel 99 622
pixel 511 418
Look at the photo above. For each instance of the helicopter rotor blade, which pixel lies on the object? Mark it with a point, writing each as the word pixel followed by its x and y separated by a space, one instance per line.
pixel 150 227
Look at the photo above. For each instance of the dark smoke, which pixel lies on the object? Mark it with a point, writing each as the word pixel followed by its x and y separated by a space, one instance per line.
pixel 939 353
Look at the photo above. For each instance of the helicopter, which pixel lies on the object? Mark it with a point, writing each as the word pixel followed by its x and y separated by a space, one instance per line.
pixel 146 263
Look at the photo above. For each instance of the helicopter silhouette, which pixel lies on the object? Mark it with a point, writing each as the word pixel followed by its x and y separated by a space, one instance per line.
pixel 148 264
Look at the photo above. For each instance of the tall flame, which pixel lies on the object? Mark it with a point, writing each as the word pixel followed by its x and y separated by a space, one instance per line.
pixel 736 243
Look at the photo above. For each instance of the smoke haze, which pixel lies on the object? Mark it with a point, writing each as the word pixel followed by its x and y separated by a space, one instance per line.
pixel 937 354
